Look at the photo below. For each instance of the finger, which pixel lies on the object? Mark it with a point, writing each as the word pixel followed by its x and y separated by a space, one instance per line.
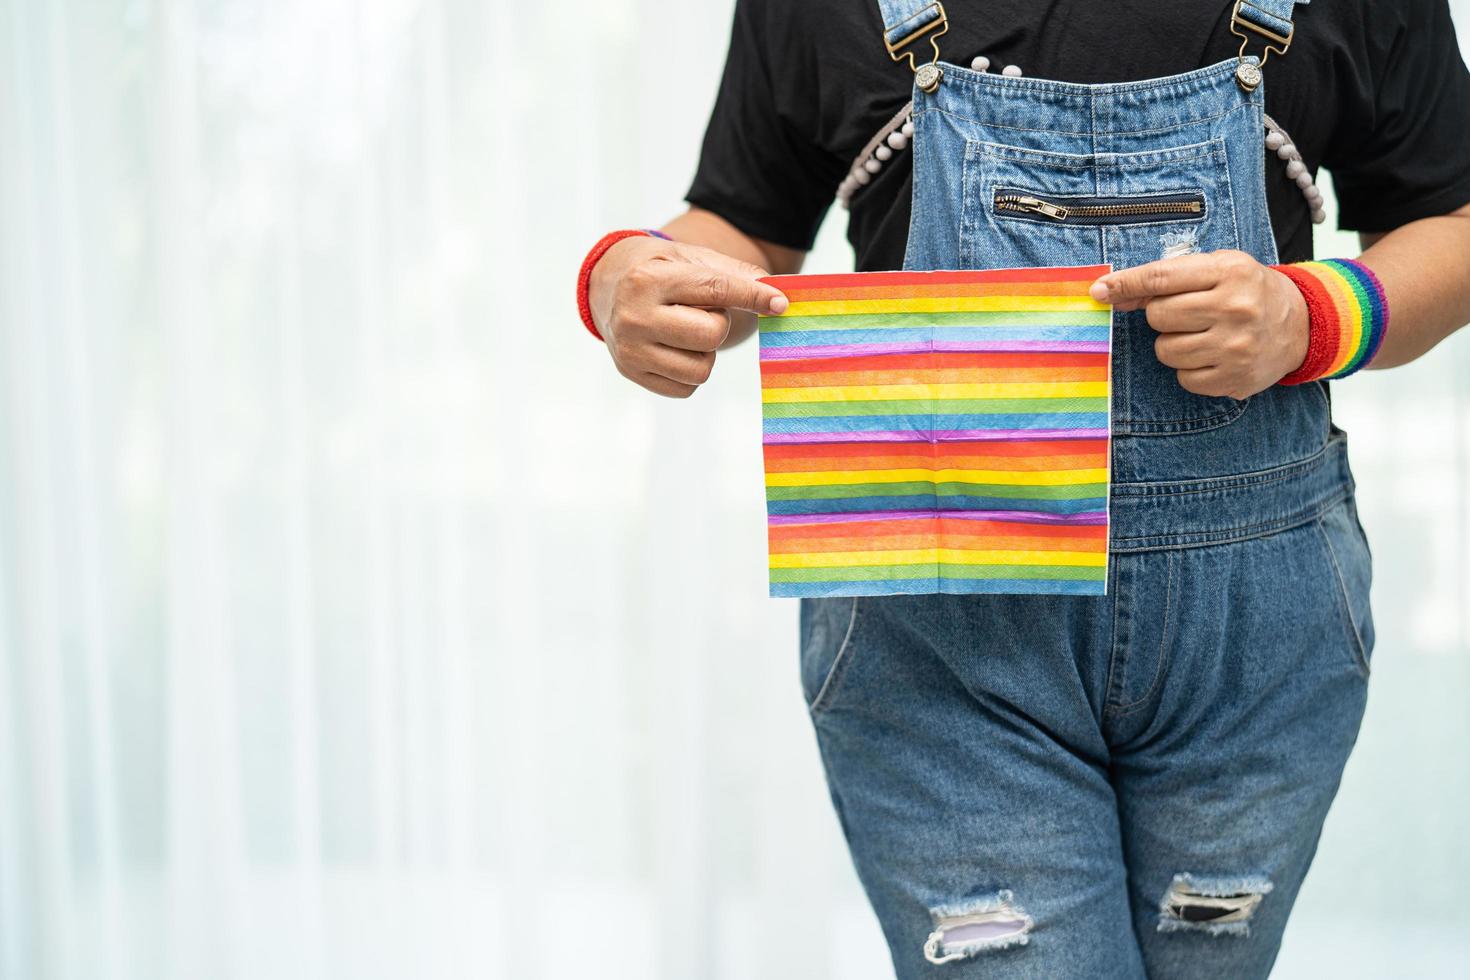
pixel 1186 351
pixel 1181 313
pixel 684 366
pixel 1210 382
pixel 1184 274
pixel 701 285
pixel 669 388
pixel 687 327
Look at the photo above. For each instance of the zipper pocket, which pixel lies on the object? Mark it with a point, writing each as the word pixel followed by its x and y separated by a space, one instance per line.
pixel 1146 208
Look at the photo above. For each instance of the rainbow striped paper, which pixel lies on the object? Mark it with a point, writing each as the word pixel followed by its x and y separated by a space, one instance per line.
pixel 937 432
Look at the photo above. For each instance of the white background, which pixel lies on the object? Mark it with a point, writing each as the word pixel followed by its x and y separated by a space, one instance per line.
pixel 358 620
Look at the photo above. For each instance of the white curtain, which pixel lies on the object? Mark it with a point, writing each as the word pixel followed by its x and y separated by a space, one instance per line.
pixel 358 620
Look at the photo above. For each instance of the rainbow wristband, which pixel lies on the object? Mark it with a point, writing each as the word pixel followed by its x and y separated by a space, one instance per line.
pixel 1348 313
pixel 594 255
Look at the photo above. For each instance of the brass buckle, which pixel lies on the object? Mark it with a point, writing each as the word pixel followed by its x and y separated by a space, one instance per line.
pixel 1248 76
pixel 927 75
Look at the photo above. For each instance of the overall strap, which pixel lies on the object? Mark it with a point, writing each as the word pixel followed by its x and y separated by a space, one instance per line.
pixel 1269 18
pixel 905 22
pixel 1266 20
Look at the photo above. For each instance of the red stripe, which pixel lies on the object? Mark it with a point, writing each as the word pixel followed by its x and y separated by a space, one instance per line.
pixel 845 279
pixel 946 526
pixel 931 359
pixel 1036 447
pixel 1322 338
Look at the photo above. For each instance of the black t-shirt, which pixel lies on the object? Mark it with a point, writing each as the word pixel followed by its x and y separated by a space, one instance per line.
pixel 1373 90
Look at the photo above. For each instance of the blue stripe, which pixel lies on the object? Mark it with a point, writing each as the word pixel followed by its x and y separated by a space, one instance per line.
pixel 821 338
pixel 925 586
pixel 924 422
pixel 931 501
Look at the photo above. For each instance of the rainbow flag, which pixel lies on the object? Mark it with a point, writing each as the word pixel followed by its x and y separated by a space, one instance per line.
pixel 937 432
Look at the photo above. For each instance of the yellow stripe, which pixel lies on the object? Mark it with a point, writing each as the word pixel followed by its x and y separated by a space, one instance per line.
pixel 948 304
pixel 1349 307
pixel 929 556
pixel 1010 389
pixel 1019 478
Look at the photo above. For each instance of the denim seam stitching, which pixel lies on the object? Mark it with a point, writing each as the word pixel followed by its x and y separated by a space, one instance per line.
pixel 1188 153
pixel 1113 640
pixel 1078 91
pixel 1254 478
pixel 1184 124
pixel 1204 539
pixel 839 664
pixel 1171 563
pixel 1360 656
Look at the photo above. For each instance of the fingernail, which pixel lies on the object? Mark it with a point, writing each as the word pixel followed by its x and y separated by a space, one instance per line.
pixel 778 304
pixel 1099 291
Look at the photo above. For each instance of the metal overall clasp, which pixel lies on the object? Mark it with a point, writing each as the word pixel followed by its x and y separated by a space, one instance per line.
pixel 930 22
pixel 1247 75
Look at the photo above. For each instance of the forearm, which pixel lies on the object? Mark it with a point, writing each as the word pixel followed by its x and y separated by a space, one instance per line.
pixel 1425 270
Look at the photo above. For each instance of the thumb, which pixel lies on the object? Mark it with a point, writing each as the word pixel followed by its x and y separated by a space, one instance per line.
pixel 745 287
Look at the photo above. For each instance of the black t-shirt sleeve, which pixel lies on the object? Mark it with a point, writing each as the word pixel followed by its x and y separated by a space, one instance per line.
pixel 1407 155
pixel 760 168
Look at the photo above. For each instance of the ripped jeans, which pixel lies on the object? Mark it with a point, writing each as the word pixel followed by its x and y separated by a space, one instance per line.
pixel 1123 786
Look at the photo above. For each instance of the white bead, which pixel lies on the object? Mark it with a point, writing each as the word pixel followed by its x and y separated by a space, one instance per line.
pixel 1318 216
pixel 861 176
pixel 872 166
pixel 908 128
pixel 1304 180
pixel 981 63
pixel 1314 195
pixel 1274 139
pixel 1295 169
pixel 882 152
pixel 1011 71
pixel 1286 151
pixel 898 139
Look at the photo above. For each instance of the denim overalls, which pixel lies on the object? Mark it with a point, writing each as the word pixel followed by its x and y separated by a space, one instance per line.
pixel 1131 785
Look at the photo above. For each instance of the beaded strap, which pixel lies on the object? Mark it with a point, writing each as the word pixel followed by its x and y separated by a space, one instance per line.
pixel 1348 315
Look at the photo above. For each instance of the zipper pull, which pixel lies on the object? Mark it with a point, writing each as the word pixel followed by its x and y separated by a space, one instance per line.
pixel 1035 204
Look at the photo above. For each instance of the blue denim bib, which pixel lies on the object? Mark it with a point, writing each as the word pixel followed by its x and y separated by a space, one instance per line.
pixel 1016 171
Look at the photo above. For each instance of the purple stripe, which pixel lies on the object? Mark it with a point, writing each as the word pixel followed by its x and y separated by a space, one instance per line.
pixel 1093 517
pixel 935 435
pixel 994 346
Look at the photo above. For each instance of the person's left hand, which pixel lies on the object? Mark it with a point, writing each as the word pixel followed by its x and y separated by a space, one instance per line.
pixel 1227 324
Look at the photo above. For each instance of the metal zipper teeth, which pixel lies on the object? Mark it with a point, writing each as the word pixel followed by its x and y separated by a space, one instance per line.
pixel 1060 212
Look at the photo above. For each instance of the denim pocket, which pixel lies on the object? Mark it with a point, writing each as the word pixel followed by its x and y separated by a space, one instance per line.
pixel 1350 565
pixel 1035 207
pixel 828 628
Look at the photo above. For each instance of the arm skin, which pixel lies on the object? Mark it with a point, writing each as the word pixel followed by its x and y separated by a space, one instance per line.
pixel 1425 270
pixel 1231 326
pixel 665 308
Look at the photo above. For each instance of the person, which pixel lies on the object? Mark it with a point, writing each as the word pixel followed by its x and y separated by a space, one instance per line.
pixel 1134 784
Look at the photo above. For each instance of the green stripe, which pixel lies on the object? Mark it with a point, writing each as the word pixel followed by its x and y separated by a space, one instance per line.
pixel 933 406
pixel 979 318
pixel 1360 288
pixel 841 491
pixel 877 573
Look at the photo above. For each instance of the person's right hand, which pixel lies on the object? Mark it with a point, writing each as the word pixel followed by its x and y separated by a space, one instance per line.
pixel 665 307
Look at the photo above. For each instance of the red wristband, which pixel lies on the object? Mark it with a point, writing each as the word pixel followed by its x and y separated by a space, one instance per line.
pixel 584 277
